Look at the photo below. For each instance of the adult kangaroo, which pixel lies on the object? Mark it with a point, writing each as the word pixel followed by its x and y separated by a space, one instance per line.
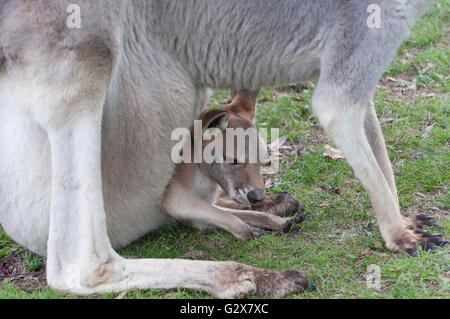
pixel 86 114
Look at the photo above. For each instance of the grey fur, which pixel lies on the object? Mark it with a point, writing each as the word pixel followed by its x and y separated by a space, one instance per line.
pixel 192 45
pixel 158 58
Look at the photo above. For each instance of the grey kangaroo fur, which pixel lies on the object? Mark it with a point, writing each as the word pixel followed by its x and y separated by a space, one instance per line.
pixel 86 117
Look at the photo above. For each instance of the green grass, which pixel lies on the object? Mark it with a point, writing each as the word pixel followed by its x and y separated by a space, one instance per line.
pixel 340 238
pixel 33 261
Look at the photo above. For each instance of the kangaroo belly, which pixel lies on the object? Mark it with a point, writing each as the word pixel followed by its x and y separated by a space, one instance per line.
pixel 24 177
pixel 136 163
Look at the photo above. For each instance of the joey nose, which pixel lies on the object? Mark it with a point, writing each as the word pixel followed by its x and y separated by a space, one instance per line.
pixel 256 195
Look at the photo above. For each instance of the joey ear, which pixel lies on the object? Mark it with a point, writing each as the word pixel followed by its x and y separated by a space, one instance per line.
pixel 212 118
pixel 244 102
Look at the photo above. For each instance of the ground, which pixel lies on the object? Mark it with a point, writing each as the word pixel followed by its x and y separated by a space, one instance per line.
pixel 340 238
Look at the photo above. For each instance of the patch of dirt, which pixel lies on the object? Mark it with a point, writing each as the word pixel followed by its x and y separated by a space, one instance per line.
pixel 289 152
pixel 216 244
pixel 293 88
pixel 402 86
pixel 14 270
pixel 313 139
pixel 198 255
pixel 436 212
pixel 445 276
pixel 430 199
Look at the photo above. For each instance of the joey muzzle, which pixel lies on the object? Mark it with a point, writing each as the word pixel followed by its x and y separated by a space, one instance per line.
pixel 256 195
